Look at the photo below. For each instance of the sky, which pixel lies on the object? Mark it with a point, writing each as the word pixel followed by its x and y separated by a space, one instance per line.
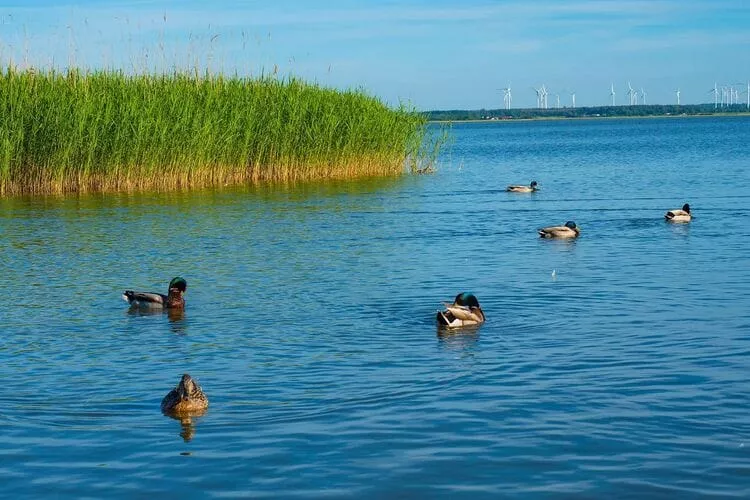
pixel 429 54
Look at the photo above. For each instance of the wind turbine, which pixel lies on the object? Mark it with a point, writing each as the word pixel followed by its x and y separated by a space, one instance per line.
pixel 509 96
pixel 643 96
pixel 558 100
pixel 747 92
pixel 633 95
pixel 678 96
pixel 545 93
pixel 573 97
pixel 715 90
pixel 538 97
pixel 612 93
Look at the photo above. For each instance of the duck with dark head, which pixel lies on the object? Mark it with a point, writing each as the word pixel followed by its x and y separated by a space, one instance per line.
pixel 520 188
pixel 569 230
pixel 174 299
pixel 464 311
pixel 679 215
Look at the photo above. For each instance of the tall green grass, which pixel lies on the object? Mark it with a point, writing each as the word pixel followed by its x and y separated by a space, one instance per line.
pixel 108 131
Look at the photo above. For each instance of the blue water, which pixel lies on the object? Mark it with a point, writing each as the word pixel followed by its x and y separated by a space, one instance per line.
pixel 310 326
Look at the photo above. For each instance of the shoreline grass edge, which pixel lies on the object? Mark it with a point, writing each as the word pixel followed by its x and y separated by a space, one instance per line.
pixel 105 131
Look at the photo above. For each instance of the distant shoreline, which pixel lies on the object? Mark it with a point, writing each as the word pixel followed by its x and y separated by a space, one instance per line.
pixel 595 112
pixel 556 118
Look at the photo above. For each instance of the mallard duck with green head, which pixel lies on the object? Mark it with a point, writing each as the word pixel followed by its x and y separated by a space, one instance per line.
pixel 678 215
pixel 187 397
pixel 464 311
pixel 173 300
pixel 516 188
pixel 569 230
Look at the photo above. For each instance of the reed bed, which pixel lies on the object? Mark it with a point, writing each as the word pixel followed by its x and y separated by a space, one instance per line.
pixel 79 131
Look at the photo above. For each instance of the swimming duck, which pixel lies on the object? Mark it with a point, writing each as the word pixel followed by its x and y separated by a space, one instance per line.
pixel 186 397
pixel 514 188
pixel 569 230
pixel 678 215
pixel 173 299
pixel 464 311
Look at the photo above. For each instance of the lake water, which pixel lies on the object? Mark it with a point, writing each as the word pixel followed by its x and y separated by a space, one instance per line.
pixel 310 326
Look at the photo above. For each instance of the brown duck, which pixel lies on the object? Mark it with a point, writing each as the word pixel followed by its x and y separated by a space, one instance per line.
pixel 187 397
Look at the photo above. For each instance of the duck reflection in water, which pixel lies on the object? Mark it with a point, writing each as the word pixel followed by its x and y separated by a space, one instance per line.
pixel 463 339
pixel 176 317
pixel 187 423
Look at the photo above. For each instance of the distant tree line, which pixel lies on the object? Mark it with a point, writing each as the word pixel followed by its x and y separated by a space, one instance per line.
pixel 585 112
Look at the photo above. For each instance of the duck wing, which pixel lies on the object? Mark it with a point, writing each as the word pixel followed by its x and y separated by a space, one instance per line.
pixel 676 213
pixel 463 313
pixel 144 298
pixel 551 231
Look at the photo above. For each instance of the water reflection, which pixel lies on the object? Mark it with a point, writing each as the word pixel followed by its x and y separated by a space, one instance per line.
pixel 565 244
pixel 176 317
pixel 459 339
pixel 75 205
pixel 187 431
pixel 679 229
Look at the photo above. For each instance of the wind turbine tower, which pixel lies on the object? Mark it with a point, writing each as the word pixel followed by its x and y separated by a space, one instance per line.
pixel 715 90
pixel 573 96
pixel 678 96
pixel 746 92
pixel 643 96
pixel 510 97
pixel 612 93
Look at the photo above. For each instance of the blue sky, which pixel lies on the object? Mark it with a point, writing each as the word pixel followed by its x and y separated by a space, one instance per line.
pixel 436 54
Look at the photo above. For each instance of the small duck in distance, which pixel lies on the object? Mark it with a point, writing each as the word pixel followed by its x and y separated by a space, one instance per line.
pixel 679 215
pixel 173 300
pixel 464 311
pixel 515 188
pixel 569 230
pixel 187 397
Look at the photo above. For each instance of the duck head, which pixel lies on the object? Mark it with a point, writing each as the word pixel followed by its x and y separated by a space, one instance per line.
pixel 571 225
pixel 467 299
pixel 178 284
pixel 686 207
pixel 186 388
pixel 533 185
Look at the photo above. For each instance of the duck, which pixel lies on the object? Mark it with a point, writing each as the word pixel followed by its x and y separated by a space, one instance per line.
pixel 515 188
pixel 679 215
pixel 173 300
pixel 464 311
pixel 569 230
pixel 187 397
